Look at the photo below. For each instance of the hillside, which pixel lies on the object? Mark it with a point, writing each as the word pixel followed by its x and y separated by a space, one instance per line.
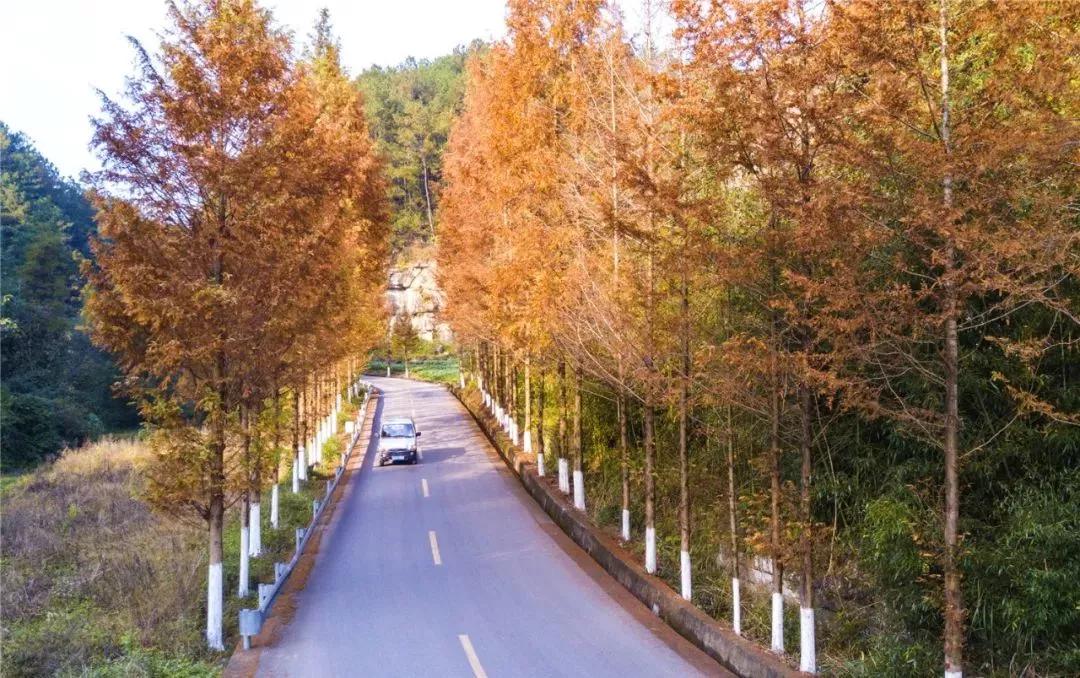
pixel 56 387
pixel 410 108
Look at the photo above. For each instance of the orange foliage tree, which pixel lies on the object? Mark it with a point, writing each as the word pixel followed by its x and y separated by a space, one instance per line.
pixel 241 237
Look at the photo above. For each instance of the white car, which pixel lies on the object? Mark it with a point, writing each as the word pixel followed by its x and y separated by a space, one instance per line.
pixel 397 441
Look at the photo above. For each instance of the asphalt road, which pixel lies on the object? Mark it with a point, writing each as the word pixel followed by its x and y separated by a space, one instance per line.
pixel 448 568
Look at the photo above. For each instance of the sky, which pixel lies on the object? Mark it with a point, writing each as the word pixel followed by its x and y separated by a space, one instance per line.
pixel 55 54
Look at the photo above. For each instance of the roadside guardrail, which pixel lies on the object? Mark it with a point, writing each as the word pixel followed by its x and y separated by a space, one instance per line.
pixel 251 620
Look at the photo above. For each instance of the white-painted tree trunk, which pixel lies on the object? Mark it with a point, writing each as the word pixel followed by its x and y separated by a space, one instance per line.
pixel 954 674
pixel 296 476
pixel 528 442
pixel 255 547
pixel 514 432
pixel 302 466
pixel 736 607
pixel 274 513
pixel 685 574
pixel 564 476
pixel 650 550
pixel 579 490
pixel 461 379
pixel 807 644
pixel 215 593
pixel 626 525
pixel 540 465
pixel 777 622
pixel 245 563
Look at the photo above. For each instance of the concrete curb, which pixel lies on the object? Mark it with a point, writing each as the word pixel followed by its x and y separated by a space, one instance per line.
pixel 733 652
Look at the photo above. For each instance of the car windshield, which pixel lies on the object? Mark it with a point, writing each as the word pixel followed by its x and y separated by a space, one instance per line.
pixel 397 431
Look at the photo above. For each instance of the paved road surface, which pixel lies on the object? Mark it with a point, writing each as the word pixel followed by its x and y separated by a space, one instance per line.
pixel 448 568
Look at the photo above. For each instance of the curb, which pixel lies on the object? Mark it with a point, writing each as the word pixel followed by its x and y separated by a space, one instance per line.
pixel 733 652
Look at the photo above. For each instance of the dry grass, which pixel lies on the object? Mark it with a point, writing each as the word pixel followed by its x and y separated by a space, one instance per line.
pixel 114 453
pixel 88 570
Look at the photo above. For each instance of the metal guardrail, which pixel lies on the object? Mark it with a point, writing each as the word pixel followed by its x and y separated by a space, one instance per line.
pixel 251 620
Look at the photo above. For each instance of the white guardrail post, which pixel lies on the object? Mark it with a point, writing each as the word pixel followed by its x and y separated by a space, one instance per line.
pixel 251 621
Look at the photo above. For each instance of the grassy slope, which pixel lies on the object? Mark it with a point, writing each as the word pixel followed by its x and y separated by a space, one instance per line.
pixel 93 582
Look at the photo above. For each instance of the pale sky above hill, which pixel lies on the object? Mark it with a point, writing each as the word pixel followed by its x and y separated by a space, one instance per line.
pixel 55 53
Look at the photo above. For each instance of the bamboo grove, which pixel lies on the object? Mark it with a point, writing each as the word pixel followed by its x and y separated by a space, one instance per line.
pixel 699 276
pixel 239 269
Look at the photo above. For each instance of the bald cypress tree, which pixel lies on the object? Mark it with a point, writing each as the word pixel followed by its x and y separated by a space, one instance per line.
pixel 241 226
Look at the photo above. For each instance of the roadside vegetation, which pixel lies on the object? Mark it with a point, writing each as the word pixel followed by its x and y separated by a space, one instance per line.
pixel 55 387
pixel 792 301
pixel 95 582
pixel 442 370
pixel 91 575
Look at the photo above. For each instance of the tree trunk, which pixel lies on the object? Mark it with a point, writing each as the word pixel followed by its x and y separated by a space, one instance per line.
pixel 954 604
pixel 215 580
pixel 316 421
pixel 496 385
pixel 245 508
pixel 733 528
pixel 305 415
pixel 684 460
pixel 255 544
pixel 650 488
pixel 807 641
pixel 684 500
pixel 277 460
pixel 427 198
pixel 512 404
pixel 297 452
pixel 650 427
pixel 624 462
pixel 527 426
pixel 774 476
pixel 245 542
pixel 255 493
pixel 542 387
pixel 564 467
pixel 579 473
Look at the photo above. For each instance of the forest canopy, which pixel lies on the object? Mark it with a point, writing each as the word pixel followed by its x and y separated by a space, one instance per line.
pixel 410 108
pixel 56 388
